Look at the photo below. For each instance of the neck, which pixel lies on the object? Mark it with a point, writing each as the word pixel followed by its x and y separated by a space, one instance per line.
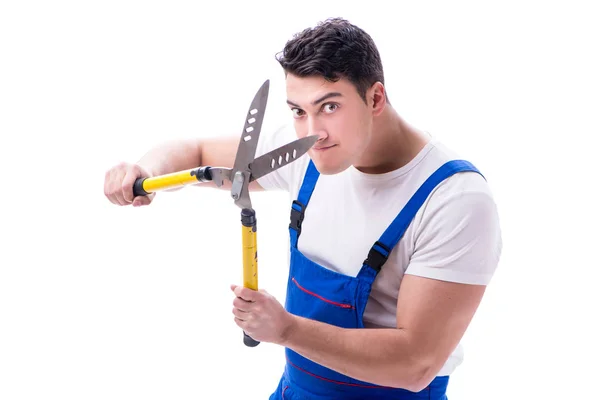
pixel 393 144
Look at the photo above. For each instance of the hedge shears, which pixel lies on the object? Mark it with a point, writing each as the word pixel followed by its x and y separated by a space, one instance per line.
pixel 246 169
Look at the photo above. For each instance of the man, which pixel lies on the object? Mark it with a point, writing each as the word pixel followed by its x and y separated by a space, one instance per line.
pixel 393 240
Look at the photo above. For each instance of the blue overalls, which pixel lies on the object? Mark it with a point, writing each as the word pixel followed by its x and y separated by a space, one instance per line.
pixel 321 294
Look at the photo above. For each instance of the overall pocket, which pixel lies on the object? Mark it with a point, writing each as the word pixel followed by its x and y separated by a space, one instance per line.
pixel 346 304
pixel 332 304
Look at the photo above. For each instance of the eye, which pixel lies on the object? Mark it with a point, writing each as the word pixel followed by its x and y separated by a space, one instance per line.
pixel 330 107
pixel 297 112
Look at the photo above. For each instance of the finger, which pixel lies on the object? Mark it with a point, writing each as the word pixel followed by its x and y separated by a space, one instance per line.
pixel 115 185
pixel 107 182
pixel 245 293
pixel 139 201
pixel 131 174
pixel 118 195
pixel 109 186
pixel 239 323
pixel 242 304
pixel 240 315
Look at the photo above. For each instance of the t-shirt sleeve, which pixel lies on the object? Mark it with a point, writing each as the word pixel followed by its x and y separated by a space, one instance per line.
pixel 458 238
pixel 286 177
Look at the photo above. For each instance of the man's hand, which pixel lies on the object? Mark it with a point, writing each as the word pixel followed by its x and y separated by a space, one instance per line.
pixel 118 185
pixel 261 316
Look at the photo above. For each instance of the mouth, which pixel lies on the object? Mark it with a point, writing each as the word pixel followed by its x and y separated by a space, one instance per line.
pixel 323 148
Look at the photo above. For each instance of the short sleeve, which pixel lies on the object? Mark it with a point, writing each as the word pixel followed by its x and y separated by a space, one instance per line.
pixel 458 237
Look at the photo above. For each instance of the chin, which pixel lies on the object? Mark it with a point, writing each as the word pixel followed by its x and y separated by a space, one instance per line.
pixel 329 166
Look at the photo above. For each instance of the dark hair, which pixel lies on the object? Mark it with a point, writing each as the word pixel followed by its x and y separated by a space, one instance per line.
pixel 334 49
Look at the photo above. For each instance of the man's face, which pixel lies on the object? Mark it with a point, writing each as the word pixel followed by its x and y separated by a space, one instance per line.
pixel 335 112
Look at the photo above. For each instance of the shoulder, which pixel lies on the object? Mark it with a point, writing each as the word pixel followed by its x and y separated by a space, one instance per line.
pixel 462 200
pixel 457 233
pixel 457 184
pixel 456 191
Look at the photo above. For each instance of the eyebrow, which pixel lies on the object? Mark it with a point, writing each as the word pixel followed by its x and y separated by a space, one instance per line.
pixel 319 100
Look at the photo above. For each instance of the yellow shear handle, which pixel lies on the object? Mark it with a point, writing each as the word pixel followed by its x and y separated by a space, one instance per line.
pixel 145 186
pixel 250 258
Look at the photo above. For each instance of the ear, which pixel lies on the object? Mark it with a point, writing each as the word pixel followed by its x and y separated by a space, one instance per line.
pixel 377 98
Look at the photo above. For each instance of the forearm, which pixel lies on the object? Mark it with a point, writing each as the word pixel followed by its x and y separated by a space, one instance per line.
pixel 379 356
pixel 172 157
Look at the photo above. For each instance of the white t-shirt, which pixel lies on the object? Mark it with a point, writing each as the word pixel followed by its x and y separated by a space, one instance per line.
pixel 349 211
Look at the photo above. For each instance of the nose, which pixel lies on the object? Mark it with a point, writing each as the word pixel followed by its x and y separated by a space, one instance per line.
pixel 315 129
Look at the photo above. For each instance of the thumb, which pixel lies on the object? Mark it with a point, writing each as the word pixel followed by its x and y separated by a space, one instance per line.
pixel 143 200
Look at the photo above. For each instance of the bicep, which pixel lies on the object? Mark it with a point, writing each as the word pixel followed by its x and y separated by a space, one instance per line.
pixel 436 315
pixel 456 251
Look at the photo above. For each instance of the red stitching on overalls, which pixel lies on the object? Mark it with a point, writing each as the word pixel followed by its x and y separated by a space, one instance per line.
pixel 283 392
pixel 342 305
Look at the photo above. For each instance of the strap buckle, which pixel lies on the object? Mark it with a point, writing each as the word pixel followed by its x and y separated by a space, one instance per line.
pixel 297 216
pixel 378 255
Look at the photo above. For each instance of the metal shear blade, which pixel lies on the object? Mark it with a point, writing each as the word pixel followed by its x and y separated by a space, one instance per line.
pixel 240 174
pixel 246 168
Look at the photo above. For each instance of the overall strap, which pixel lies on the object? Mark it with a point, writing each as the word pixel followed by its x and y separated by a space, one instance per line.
pixel 298 206
pixel 381 249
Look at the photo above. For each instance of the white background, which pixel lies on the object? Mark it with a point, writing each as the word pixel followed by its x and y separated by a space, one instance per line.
pixel 106 302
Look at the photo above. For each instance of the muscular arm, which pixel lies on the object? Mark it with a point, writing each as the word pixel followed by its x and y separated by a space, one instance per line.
pixel 458 240
pixel 432 316
pixel 185 154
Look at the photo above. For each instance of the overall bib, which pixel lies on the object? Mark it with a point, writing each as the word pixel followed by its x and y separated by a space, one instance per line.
pixel 321 294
